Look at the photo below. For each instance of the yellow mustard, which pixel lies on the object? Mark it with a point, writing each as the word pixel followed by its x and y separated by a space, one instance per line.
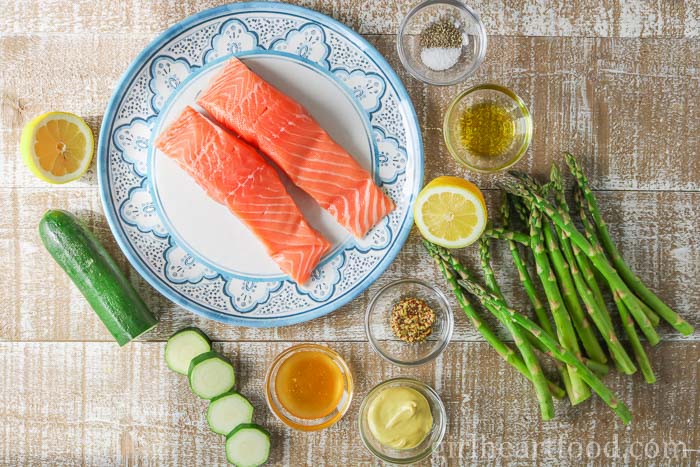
pixel 400 417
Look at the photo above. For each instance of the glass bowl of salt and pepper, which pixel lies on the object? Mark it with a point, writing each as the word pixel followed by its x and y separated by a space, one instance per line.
pixel 441 42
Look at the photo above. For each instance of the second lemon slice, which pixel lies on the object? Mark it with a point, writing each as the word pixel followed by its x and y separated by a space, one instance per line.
pixel 450 212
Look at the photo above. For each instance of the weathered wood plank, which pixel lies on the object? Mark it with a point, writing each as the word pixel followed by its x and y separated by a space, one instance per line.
pixel 96 404
pixel 621 103
pixel 629 105
pixel 611 18
pixel 656 231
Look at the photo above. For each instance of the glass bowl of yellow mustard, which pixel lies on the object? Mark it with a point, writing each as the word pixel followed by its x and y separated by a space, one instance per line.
pixel 402 421
pixel 487 128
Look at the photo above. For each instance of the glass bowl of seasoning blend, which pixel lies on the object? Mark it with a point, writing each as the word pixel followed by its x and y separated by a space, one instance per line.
pixel 441 42
pixel 402 421
pixel 409 322
pixel 487 128
pixel 309 387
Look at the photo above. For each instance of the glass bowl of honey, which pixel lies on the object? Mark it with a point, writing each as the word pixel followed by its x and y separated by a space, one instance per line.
pixel 309 387
pixel 487 128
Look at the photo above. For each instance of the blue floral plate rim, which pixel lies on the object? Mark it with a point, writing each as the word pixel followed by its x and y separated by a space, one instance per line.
pixel 112 211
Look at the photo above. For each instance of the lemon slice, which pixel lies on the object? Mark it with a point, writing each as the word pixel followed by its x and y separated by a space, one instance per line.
pixel 450 212
pixel 57 146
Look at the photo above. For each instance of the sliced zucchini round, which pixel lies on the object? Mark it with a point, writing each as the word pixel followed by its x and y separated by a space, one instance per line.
pixel 183 346
pixel 227 411
pixel 211 374
pixel 248 445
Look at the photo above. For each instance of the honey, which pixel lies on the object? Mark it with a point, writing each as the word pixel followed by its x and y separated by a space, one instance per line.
pixel 309 384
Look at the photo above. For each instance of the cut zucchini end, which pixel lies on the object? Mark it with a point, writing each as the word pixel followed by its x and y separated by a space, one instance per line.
pixel 248 445
pixel 123 342
pixel 183 346
pixel 227 411
pixel 211 374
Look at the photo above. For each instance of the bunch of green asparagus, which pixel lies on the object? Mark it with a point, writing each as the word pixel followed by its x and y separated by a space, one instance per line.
pixel 574 267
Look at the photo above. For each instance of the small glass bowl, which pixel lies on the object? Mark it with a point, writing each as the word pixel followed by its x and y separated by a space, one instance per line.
pixel 466 21
pixel 431 441
pixel 305 424
pixel 382 338
pixel 521 118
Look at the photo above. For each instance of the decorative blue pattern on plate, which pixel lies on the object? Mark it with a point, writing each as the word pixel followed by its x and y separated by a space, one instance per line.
pixel 368 88
pixel 309 42
pixel 143 92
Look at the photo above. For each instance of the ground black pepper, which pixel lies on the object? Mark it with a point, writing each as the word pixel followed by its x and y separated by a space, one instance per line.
pixel 412 320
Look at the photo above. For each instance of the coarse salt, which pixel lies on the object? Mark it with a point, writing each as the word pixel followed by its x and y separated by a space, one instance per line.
pixel 439 58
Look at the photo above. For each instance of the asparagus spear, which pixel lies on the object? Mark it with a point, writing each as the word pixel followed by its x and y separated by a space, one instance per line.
pixel 597 257
pixel 501 348
pixel 604 325
pixel 528 187
pixel 627 322
pixel 524 274
pixel 589 274
pixel 654 302
pixel 651 314
pixel 639 352
pixel 490 279
pixel 592 236
pixel 591 279
pixel 463 273
pixel 492 284
pixel 560 352
pixel 566 285
pixel 584 265
pixel 544 397
pixel 565 331
pixel 485 258
pixel 598 314
pixel 504 234
pixel 529 286
pixel 520 208
pixel 568 292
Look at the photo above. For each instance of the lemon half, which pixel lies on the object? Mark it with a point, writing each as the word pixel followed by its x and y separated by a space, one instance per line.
pixel 57 147
pixel 450 212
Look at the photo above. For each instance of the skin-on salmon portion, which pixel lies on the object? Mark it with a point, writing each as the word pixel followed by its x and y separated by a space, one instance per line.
pixel 281 128
pixel 235 175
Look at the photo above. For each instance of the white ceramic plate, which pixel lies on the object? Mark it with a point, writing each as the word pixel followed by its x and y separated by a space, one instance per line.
pixel 194 250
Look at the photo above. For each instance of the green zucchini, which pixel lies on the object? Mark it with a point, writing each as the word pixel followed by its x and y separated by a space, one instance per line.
pixel 248 445
pixel 183 346
pixel 227 411
pixel 96 275
pixel 211 374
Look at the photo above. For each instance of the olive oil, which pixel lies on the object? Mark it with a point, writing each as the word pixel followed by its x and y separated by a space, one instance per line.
pixel 487 129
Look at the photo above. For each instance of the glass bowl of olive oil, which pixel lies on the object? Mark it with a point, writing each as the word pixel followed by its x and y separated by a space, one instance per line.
pixel 487 128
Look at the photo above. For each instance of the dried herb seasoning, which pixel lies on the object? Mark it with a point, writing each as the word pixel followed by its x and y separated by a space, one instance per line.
pixel 412 320
pixel 442 34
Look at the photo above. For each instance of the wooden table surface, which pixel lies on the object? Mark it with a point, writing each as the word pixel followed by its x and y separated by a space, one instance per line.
pixel 617 82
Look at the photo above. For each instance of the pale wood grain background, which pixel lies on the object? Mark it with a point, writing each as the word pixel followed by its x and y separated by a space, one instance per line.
pixel 615 81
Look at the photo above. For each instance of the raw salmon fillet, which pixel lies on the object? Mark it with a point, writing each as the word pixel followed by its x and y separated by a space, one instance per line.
pixel 235 175
pixel 281 128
